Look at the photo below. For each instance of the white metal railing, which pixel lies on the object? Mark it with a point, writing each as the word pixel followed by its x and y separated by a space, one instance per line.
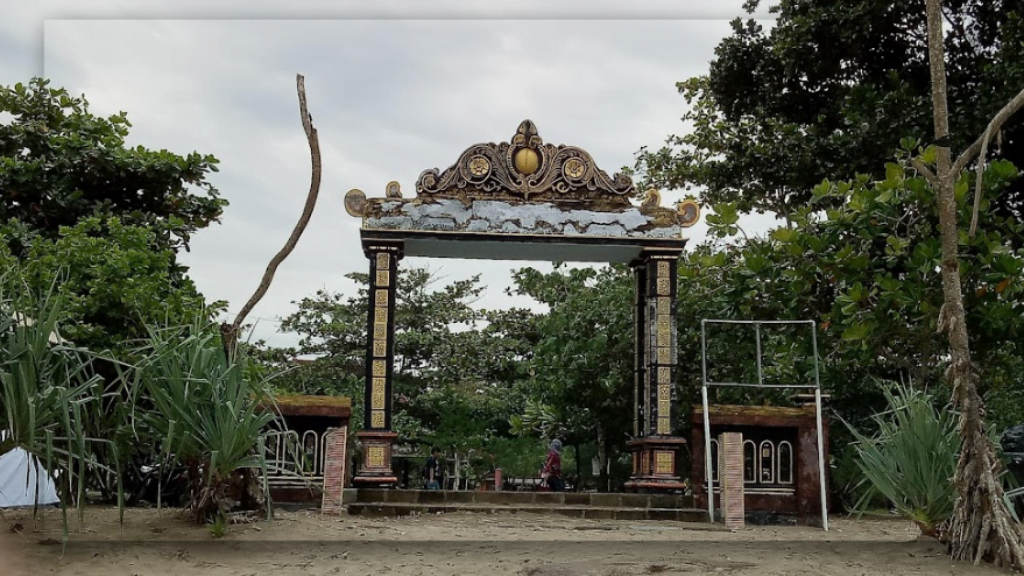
pixel 298 460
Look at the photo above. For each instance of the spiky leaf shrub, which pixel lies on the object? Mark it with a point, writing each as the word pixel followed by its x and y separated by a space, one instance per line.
pixel 47 390
pixel 207 414
pixel 911 459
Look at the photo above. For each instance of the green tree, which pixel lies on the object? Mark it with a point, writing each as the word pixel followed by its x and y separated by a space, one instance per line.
pixel 431 352
pixel 59 164
pixel 580 385
pixel 113 278
pixel 828 91
pixel 862 260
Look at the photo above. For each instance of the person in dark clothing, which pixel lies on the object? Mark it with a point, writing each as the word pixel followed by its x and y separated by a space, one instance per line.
pixel 432 471
pixel 552 471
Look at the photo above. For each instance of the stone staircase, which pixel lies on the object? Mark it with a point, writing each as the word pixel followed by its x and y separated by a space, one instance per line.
pixel 377 503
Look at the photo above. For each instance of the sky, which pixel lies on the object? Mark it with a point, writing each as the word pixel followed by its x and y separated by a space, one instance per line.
pixel 393 88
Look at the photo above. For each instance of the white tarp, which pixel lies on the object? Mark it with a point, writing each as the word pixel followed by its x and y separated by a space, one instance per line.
pixel 15 468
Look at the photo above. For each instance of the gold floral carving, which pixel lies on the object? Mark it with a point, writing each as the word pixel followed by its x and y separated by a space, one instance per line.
pixel 380 330
pixel 380 348
pixel 664 287
pixel 380 297
pixel 379 368
pixel 664 463
pixel 380 314
pixel 664 306
pixel 663 269
pixel 375 456
pixel 479 166
pixel 664 393
pixel 383 261
pixel 377 394
pixel 377 419
pixel 664 335
pixel 383 277
pixel 542 173
pixel 664 425
pixel 663 356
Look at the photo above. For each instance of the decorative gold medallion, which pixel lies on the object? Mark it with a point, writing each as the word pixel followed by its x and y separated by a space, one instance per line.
pixel 527 161
pixel 479 166
pixel 573 168
pixel 393 190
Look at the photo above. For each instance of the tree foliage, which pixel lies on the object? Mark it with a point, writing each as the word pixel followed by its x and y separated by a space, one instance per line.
pixel 862 260
pixel 59 164
pixel 113 278
pixel 828 92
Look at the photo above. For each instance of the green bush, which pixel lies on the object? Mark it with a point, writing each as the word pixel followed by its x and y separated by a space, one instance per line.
pixel 911 459
pixel 207 414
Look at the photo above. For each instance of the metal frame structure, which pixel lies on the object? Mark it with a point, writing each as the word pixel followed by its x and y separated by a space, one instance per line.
pixel 705 383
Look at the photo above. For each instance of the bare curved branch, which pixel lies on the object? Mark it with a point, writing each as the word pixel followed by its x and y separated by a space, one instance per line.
pixel 993 127
pixel 979 180
pixel 230 331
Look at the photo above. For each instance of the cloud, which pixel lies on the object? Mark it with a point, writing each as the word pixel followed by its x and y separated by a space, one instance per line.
pixel 390 97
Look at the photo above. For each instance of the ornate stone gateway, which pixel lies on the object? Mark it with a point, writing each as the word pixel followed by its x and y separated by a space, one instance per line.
pixel 527 200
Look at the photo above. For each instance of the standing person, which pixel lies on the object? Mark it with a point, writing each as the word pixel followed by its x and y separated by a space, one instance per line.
pixel 432 471
pixel 552 471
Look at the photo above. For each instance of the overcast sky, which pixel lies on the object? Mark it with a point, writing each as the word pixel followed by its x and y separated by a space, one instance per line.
pixel 393 88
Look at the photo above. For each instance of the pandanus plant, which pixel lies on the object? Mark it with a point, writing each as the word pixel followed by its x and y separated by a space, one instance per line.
pixel 47 391
pixel 911 458
pixel 210 415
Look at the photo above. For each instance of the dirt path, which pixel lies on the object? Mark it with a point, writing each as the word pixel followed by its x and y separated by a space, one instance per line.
pixel 305 543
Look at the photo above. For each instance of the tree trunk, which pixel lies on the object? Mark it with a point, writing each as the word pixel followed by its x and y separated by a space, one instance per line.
pixel 981 527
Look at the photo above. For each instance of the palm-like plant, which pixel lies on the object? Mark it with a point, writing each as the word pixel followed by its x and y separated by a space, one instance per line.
pixel 912 457
pixel 208 412
pixel 46 390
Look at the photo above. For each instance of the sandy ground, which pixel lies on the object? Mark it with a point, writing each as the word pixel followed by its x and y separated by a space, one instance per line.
pixel 306 543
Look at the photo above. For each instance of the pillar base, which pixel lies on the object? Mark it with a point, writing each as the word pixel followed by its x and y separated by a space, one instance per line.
pixel 654 464
pixel 375 471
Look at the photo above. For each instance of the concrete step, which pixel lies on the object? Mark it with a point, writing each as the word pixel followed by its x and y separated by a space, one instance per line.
pixel 592 499
pixel 381 509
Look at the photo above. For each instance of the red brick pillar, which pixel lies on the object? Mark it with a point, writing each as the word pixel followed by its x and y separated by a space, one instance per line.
pixel 334 470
